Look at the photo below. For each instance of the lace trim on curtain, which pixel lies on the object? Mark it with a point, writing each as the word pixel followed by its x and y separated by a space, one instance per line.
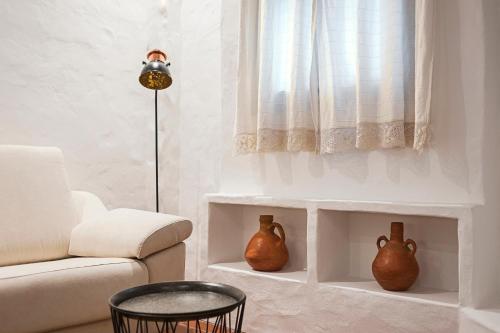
pixel 271 140
pixel 366 136
pixel 422 136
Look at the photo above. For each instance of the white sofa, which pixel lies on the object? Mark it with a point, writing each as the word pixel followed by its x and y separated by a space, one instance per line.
pixel 62 254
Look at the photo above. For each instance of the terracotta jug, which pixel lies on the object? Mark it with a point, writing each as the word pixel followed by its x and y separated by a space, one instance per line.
pixel 266 251
pixel 395 267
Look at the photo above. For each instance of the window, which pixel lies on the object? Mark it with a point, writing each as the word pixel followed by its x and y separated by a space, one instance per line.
pixel 333 75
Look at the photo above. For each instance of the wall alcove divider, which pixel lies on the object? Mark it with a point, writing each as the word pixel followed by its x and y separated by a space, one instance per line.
pixel 332 245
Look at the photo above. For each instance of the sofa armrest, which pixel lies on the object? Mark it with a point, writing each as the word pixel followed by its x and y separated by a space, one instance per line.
pixel 128 233
pixel 87 205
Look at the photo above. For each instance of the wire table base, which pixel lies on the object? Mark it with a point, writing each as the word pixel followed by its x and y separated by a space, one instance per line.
pixel 178 307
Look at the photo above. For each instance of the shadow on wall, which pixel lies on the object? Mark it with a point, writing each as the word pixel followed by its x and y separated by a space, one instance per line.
pixel 491 138
pixel 448 117
pixel 448 105
pixel 486 285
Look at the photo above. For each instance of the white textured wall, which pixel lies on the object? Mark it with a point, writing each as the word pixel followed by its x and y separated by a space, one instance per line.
pixel 487 217
pixel 448 172
pixel 200 107
pixel 456 168
pixel 69 78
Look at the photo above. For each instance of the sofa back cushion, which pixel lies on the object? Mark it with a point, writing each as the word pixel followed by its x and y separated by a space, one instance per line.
pixel 36 208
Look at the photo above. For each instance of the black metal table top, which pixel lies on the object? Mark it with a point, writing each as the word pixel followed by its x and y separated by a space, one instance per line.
pixel 182 300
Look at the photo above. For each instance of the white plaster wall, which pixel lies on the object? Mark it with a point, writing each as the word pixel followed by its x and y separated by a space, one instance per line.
pixel 300 308
pixel 448 172
pixel 200 116
pixel 487 217
pixel 456 168
pixel 69 78
pixel 371 315
pixel 452 170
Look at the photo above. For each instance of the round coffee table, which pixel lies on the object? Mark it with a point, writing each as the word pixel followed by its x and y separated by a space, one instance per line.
pixel 183 306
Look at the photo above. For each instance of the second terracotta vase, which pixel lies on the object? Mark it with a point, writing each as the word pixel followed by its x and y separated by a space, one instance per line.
pixel 395 267
pixel 267 251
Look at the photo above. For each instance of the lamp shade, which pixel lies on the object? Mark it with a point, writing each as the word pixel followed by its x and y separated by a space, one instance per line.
pixel 155 74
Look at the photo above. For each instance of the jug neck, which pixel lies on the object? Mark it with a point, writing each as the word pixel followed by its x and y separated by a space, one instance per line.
pixel 265 221
pixel 397 231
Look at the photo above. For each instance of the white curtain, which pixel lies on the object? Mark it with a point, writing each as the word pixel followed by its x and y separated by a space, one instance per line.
pixel 274 103
pixel 333 75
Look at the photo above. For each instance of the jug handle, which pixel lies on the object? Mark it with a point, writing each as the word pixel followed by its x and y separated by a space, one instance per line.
pixel 280 230
pixel 381 238
pixel 413 244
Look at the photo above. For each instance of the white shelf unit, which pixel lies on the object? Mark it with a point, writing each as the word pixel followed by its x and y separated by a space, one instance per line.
pixel 332 243
pixel 232 225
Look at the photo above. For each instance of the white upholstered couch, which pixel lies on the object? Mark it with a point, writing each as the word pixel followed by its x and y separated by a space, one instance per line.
pixel 63 254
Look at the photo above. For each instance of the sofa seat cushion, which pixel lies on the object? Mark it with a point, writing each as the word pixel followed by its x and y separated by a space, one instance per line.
pixel 45 296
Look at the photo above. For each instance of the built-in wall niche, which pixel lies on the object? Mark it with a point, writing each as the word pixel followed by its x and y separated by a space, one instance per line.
pixel 230 227
pixel 347 247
